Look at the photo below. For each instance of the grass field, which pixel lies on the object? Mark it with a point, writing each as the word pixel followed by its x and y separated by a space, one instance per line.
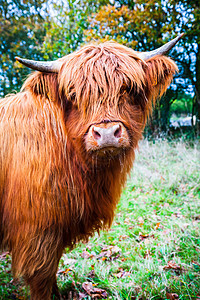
pixel 152 250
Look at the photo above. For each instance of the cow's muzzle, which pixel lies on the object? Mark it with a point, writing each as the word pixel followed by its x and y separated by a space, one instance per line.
pixel 107 136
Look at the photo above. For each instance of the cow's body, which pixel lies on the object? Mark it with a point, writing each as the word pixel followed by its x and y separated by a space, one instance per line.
pixel 66 146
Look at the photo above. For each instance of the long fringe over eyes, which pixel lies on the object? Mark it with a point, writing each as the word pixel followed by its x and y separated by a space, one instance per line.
pixel 96 74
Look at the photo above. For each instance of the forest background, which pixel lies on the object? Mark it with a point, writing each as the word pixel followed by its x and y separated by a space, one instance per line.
pixel 47 30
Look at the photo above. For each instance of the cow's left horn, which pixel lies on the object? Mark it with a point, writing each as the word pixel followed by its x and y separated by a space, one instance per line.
pixel 42 66
pixel 160 51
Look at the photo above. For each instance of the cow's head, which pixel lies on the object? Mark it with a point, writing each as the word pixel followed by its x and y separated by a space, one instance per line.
pixel 108 91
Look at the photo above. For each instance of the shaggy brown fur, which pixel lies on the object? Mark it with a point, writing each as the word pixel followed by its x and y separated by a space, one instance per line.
pixel 53 193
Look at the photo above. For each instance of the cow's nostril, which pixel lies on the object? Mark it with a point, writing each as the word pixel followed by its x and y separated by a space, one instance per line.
pixel 96 134
pixel 118 132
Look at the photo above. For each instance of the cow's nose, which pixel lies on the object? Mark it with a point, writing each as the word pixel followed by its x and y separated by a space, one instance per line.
pixel 107 135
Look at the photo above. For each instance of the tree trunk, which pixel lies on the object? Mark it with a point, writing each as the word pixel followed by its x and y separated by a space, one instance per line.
pixel 198 114
pixel 197 87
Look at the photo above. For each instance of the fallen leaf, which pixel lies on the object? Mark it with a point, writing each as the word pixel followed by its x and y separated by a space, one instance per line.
pixel 122 274
pixel 104 258
pixel 86 254
pixel 172 296
pixel 141 221
pixel 94 292
pixel 131 227
pixel 157 226
pixel 68 261
pixel 66 271
pixel 109 252
pixel 81 296
pixel 143 236
pixel 124 259
pixel 123 237
pixel 72 295
pixel 127 221
pixel 92 267
pixel 91 274
pixel 172 265
pixel 148 254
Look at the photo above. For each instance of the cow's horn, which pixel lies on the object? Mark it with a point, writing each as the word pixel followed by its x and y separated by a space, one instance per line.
pixel 43 66
pixel 160 51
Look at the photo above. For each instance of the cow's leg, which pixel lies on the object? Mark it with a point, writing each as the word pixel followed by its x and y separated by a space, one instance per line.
pixel 40 288
pixel 43 283
pixel 37 261
pixel 55 290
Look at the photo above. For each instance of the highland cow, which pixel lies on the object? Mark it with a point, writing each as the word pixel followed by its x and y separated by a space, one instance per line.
pixel 67 143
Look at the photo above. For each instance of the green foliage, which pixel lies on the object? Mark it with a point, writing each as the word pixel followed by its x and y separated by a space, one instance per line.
pixel 21 32
pixel 138 24
pixel 64 32
pixel 189 59
pixel 182 106
pixel 65 29
pixel 38 30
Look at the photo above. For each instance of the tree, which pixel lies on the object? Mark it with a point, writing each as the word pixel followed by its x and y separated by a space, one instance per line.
pixel 21 32
pixel 65 29
pixel 146 26
pixel 189 56
pixel 138 24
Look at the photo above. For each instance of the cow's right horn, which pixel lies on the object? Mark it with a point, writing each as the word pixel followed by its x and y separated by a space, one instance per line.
pixel 160 51
pixel 42 66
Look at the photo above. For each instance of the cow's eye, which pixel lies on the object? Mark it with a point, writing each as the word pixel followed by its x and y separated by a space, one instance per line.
pixel 71 97
pixel 125 89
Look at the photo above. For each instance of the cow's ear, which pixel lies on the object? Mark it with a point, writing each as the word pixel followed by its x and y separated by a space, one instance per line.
pixel 159 72
pixel 43 84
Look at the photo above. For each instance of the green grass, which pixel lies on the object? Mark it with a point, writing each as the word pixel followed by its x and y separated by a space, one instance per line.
pixel 152 250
